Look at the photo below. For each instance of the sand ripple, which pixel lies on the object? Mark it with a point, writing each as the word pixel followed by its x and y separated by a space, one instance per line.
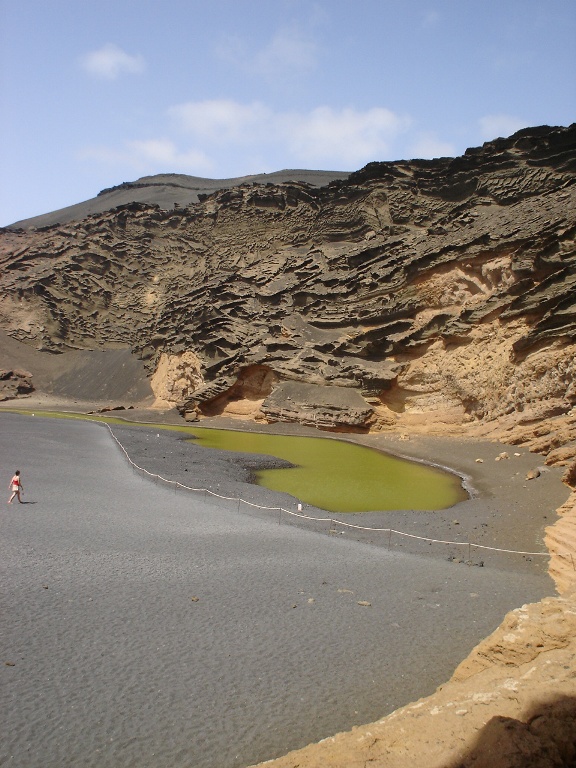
pixel 114 663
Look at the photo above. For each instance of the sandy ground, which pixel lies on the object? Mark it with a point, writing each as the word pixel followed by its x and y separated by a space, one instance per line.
pixel 110 660
pixel 504 510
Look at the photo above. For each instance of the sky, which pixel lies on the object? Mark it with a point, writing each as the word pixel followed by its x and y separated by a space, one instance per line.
pixel 97 92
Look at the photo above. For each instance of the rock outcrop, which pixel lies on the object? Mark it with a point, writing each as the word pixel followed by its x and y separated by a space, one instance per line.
pixel 15 383
pixel 316 405
pixel 560 541
pixel 438 292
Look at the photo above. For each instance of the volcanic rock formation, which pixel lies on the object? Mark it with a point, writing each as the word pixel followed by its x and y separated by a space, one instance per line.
pixel 423 294
pixel 15 383
pixel 169 190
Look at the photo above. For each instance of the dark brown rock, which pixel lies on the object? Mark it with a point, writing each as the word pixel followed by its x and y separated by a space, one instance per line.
pixel 14 384
pixel 343 287
pixel 316 405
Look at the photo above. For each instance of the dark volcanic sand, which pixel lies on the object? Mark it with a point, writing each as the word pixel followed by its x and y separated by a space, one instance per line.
pixel 170 189
pixel 108 661
pixel 505 510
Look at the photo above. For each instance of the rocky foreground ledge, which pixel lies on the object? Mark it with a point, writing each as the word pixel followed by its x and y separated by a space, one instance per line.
pixel 510 704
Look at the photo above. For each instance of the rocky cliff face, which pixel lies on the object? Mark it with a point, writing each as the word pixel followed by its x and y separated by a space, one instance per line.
pixel 420 294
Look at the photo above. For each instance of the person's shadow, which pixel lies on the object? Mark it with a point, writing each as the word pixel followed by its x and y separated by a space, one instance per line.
pixel 546 739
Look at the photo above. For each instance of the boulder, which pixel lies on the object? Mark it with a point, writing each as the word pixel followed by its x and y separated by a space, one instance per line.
pixel 317 405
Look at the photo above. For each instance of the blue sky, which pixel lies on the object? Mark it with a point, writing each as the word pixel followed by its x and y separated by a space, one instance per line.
pixel 96 92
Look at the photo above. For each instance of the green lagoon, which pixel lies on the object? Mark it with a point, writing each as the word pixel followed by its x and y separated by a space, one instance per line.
pixel 339 476
pixel 328 473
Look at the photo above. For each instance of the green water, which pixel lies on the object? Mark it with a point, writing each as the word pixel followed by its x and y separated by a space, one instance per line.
pixel 329 474
pixel 341 477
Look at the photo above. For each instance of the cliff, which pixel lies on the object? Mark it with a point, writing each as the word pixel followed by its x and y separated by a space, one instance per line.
pixel 415 294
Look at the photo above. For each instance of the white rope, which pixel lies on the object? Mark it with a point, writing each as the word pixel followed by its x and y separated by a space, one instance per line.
pixel 327 519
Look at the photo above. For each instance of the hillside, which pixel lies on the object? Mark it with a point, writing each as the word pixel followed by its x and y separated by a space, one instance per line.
pixel 414 294
pixel 168 191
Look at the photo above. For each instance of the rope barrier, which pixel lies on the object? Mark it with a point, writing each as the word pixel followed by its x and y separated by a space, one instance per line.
pixel 330 520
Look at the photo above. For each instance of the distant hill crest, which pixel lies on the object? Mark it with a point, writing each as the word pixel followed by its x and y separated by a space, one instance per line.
pixel 169 190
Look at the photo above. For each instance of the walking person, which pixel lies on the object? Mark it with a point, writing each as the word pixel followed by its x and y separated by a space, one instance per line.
pixel 16 487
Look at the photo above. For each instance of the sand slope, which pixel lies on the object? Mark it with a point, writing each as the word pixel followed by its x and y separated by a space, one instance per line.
pixel 169 190
pixel 109 661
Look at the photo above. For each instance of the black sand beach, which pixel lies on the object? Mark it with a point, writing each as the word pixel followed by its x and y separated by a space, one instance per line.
pixel 150 627
pixel 504 509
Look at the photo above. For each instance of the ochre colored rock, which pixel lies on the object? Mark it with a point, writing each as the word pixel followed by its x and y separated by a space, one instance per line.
pixel 511 704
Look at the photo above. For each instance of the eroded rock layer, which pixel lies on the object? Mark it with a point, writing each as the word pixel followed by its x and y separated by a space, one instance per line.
pixel 420 294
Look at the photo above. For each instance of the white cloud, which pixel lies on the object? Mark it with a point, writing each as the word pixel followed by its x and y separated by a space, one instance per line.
pixel 289 53
pixel 430 19
pixel 496 126
pixel 347 136
pixel 150 156
pixel 226 137
pixel 110 61
pixel 428 146
pixel 164 152
pixel 222 120
pixel 342 137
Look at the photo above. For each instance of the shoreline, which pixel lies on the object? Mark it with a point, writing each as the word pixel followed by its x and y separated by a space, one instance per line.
pixel 505 511
pixel 429 599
